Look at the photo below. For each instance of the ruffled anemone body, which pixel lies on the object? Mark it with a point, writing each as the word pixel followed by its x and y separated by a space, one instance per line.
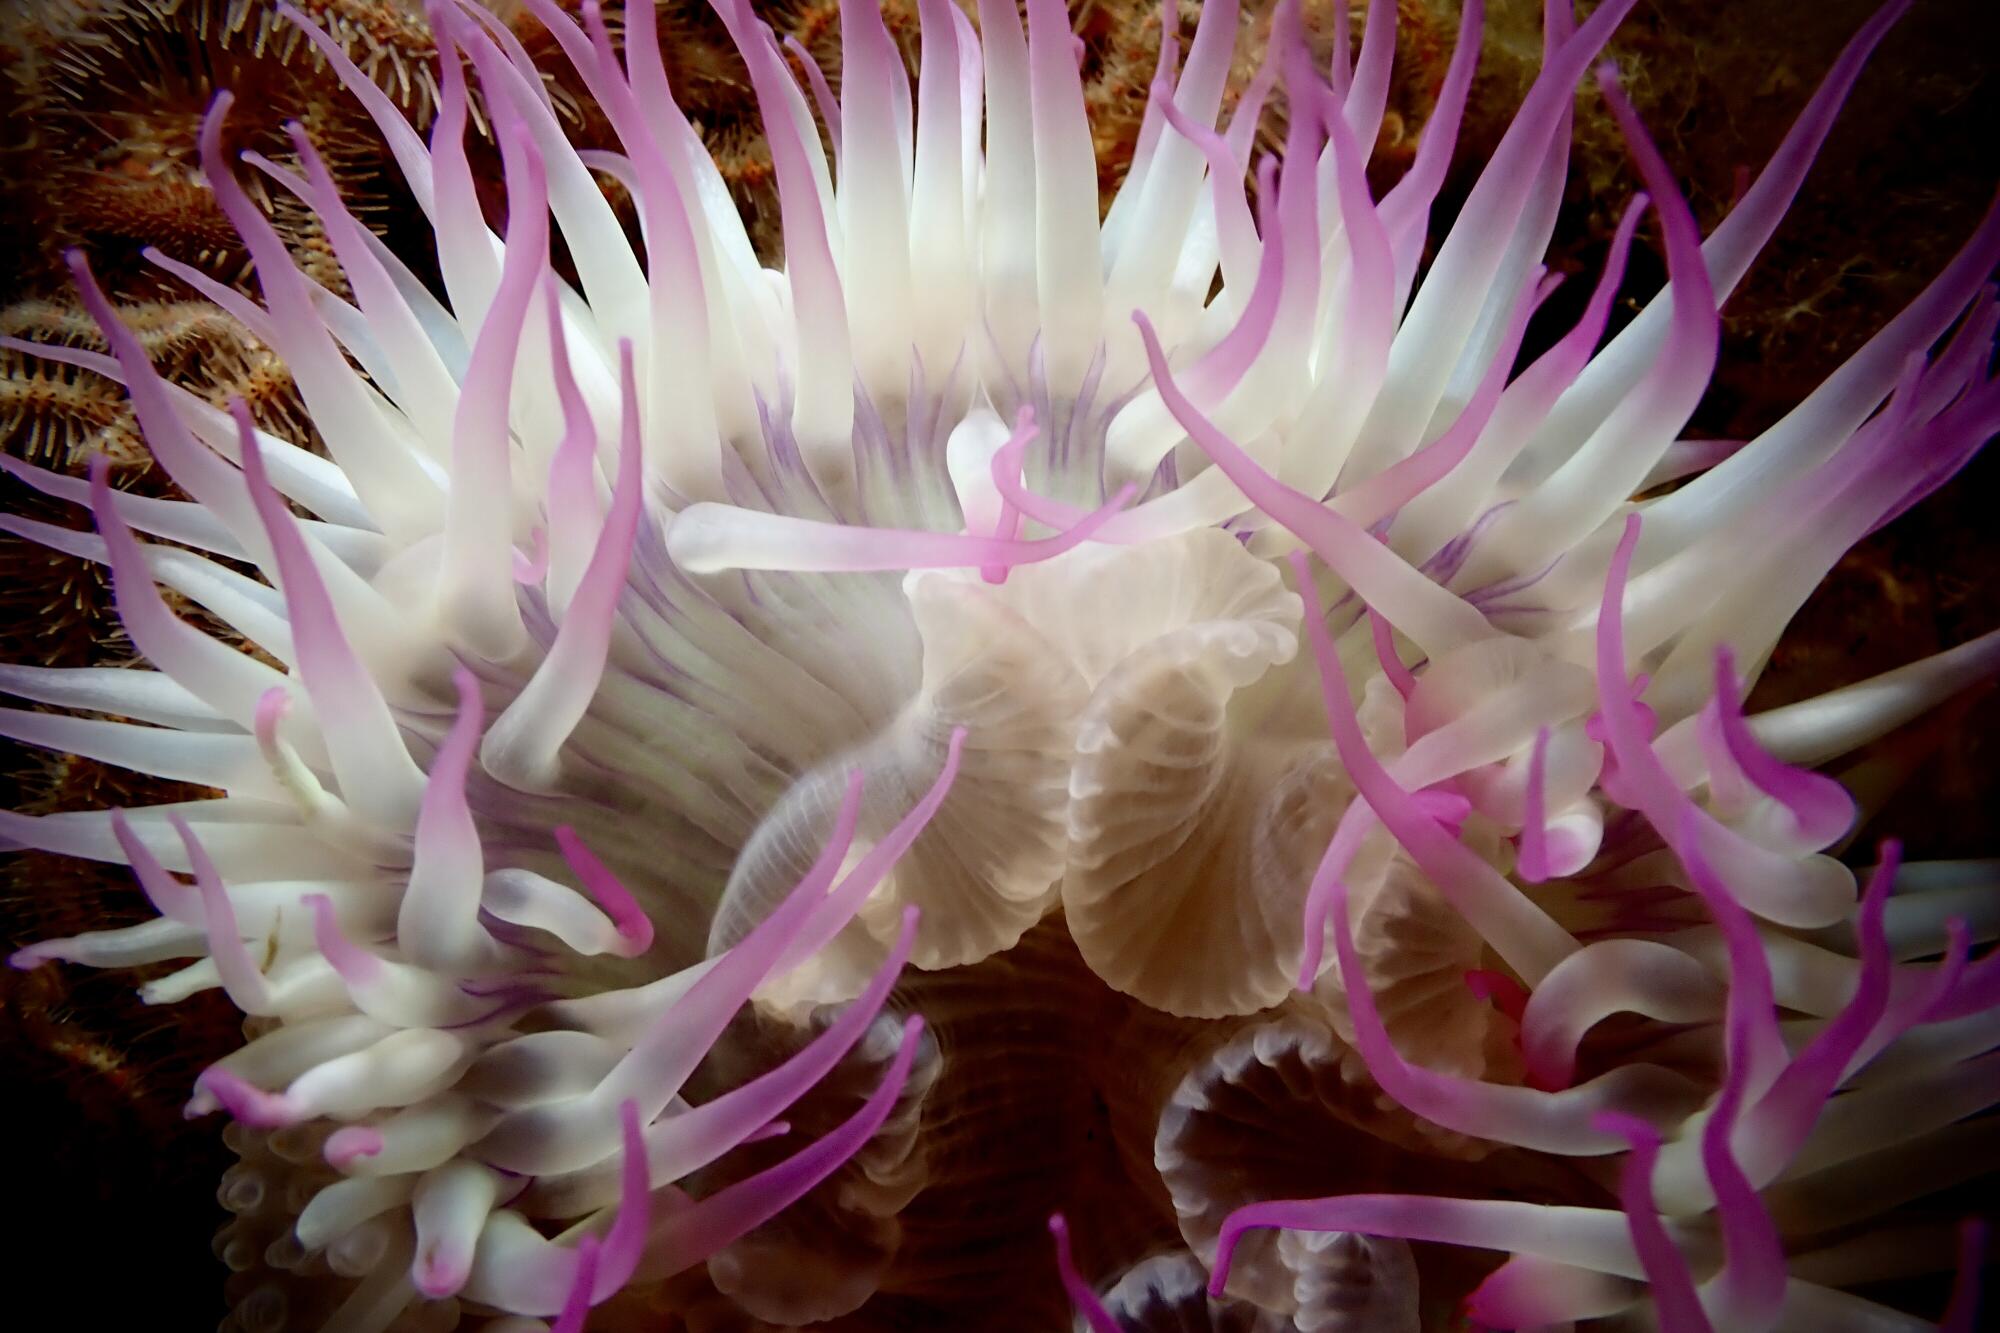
pixel 1129 623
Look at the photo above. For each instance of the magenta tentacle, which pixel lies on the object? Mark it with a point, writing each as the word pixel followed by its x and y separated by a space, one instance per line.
pixel 1673 1291
pixel 1081 1297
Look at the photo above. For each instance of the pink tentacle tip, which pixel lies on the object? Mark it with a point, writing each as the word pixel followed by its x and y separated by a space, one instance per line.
pixel 1821 809
pixel 1951 973
pixel 347 1146
pixel 1509 1298
pixel 354 964
pixel 440 1273
pixel 532 565
pixel 1507 995
pixel 635 928
pixel 33 956
pixel 1079 1292
pixel 218 1087
pixel 272 705
pixel 1447 808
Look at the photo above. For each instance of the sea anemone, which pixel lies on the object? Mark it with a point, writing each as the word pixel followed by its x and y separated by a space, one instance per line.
pixel 671 657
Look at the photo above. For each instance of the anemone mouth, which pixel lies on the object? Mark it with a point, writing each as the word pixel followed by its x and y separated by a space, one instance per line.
pixel 1097 626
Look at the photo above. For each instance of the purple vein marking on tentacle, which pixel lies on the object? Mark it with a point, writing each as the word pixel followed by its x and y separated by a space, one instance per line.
pixel 635 928
pixel 576 1304
pixel 1523 934
pixel 847 896
pixel 1080 1295
pixel 1434 618
pixel 692 1235
pixel 696 1137
pixel 1667 1273
pixel 348 1145
pixel 1925 1004
pixel 1820 806
pixel 1050 512
pixel 1626 737
pixel 1532 864
pixel 661 1060
pixel 241 978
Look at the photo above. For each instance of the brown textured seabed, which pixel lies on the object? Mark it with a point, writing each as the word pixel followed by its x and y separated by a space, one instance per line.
pixel 99 102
